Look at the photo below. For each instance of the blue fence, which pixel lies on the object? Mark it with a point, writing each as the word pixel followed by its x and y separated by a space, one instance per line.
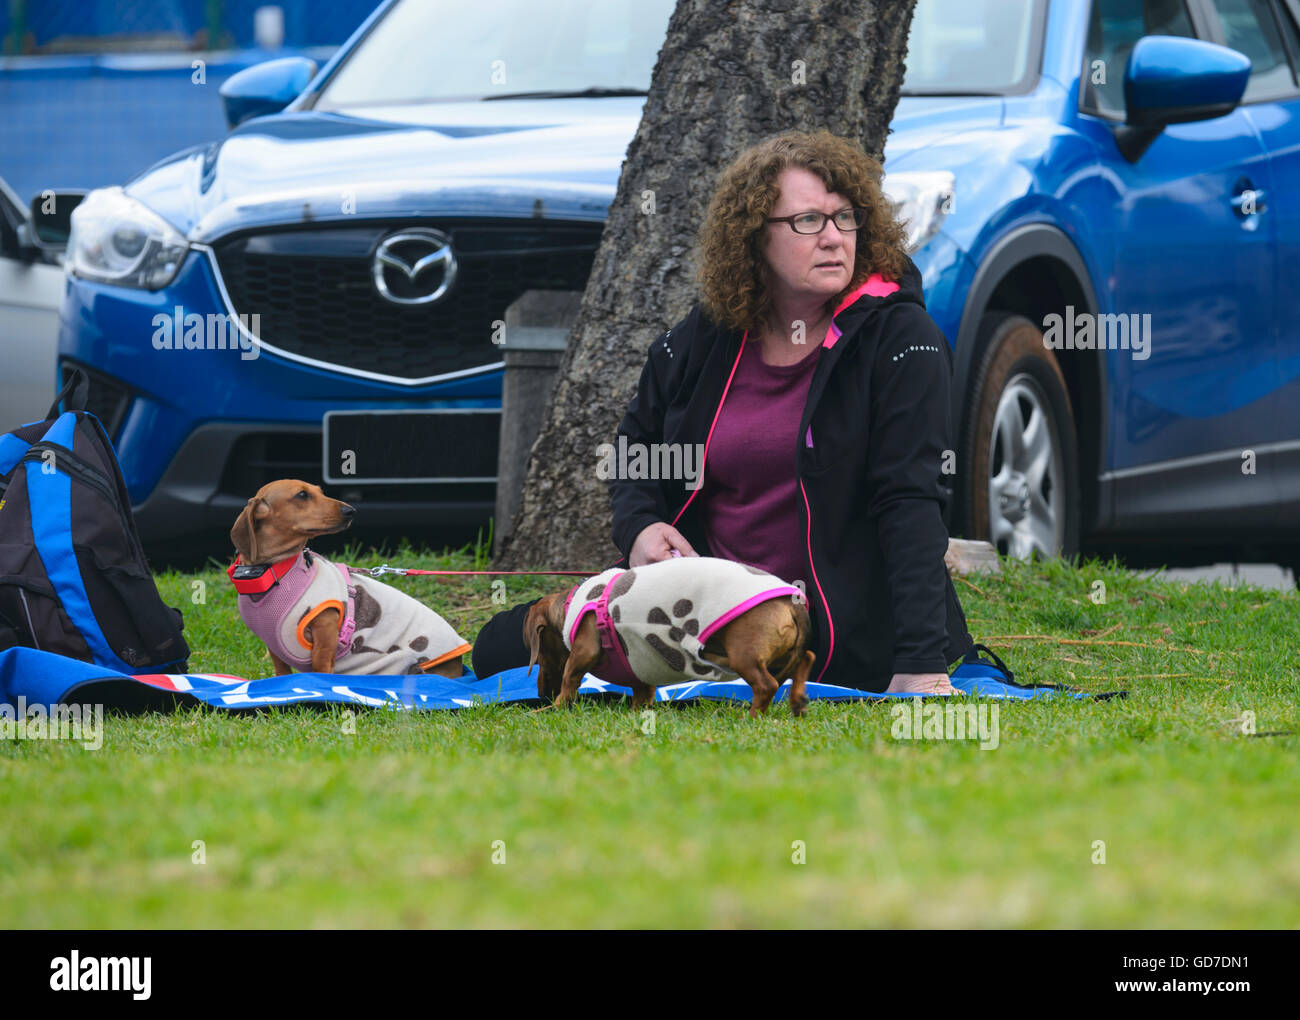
pixel 91 119
pixel 88 122
pixel 28 26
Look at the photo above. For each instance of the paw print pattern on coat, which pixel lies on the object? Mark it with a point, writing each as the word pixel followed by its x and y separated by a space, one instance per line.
pixel 673 656
pixel 667 646
pixel 681 608
pixel 368 610
pixel 622 584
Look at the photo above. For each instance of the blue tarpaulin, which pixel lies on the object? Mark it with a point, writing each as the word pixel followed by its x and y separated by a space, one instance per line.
pixel 47 679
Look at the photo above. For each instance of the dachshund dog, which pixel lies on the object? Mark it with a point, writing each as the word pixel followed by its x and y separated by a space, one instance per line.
pixel 314 614
pixel 691 618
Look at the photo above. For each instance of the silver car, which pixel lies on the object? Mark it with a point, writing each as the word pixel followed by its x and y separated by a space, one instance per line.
pixel 31 291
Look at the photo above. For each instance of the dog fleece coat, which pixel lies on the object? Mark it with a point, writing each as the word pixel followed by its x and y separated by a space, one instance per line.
pixel 382 630
pixel 655 619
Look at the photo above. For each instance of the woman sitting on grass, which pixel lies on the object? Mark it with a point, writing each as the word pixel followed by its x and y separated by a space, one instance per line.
pixel 818 387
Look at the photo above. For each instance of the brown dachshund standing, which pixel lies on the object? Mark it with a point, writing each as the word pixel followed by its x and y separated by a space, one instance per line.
pixel 298 602
pixel 680 635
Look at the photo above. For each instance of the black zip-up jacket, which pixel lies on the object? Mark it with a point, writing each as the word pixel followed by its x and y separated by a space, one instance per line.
pixel 870 491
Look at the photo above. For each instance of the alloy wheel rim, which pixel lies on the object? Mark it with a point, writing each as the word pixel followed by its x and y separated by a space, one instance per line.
pixel 1025 471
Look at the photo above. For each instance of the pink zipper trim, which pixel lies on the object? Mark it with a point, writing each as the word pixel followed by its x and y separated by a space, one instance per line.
pixel 830 650
pixel 876 286
pixel 713 424
pixel 749 603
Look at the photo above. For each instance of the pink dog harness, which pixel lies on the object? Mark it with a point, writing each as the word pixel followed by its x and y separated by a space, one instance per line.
pixel 654 620
pixel 265 606
pixel 382 631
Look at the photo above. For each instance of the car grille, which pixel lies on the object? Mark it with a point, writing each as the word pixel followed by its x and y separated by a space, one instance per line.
pixel 314 292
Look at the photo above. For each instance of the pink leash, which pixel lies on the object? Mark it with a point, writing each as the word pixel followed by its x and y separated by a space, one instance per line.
pixel 386 569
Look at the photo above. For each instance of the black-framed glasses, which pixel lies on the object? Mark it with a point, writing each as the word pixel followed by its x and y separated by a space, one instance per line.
pixel 846 220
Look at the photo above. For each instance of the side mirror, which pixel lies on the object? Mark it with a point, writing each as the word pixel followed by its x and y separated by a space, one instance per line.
pixel 1173 80
pixel 265 88
pixel 51 218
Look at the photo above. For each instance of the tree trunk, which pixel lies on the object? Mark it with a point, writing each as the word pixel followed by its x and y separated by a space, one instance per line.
pixel 728 76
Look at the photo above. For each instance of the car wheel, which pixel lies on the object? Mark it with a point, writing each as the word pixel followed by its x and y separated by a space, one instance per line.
pixel 1022 490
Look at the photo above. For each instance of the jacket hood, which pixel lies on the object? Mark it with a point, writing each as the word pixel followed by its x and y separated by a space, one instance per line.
pixel 876 292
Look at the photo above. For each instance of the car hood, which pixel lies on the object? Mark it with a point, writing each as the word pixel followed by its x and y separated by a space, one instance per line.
pixel 558 158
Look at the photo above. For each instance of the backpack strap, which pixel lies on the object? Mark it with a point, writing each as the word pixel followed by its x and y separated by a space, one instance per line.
pixel 50 499
pixel 76 391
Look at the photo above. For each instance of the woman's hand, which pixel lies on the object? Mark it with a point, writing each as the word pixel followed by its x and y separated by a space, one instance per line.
pixel 920 683
pixel 658 542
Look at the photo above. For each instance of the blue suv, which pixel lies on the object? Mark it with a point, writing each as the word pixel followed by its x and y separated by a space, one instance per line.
pixel 1103 197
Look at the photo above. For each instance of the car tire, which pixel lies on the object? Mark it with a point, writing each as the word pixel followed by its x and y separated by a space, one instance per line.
pixel 1023 497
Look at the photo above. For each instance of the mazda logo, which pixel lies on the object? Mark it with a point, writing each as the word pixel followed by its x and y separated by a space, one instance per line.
pixel 414 267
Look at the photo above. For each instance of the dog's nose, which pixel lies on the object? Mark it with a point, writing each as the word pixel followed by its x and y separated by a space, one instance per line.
pixel 348 511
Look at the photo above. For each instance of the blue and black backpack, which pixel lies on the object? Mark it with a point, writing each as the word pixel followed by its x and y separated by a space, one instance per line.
pixel 73 577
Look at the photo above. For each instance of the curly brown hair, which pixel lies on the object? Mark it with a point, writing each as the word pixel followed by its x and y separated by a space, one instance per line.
pixel 732 269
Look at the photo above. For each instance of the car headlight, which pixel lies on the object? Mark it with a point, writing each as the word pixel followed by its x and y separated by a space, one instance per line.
pixel 116 239
pixel 922 200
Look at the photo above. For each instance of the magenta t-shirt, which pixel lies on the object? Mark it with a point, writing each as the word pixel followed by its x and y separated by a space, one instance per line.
pixel 751 489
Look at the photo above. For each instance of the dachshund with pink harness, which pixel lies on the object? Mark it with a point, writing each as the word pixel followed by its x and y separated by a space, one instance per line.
pixel 319 616
pixel 692 618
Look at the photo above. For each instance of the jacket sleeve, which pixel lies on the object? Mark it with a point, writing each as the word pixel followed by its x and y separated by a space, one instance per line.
pixel 910 431
pixel 638 503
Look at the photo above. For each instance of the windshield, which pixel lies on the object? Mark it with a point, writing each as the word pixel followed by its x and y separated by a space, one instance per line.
pixel 437 50
pixel 424 50
pixel 959 46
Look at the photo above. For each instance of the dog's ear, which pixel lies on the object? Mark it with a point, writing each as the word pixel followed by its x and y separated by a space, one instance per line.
pixel 534 626
pixel 244 533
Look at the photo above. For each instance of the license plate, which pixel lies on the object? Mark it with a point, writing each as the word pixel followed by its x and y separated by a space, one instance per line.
pixel 408 447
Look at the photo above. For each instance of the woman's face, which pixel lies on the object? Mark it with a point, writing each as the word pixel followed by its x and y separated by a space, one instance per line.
pixel 807 266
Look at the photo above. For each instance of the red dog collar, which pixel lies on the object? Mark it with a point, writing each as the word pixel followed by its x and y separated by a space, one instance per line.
pixel 256 578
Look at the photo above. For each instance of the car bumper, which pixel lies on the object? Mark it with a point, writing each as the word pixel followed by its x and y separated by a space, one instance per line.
pixel 217 468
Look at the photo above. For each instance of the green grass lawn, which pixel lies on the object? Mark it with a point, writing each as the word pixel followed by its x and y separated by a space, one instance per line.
pixel 594 822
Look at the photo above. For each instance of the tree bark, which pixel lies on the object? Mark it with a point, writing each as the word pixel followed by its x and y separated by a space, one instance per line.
pixel 727 76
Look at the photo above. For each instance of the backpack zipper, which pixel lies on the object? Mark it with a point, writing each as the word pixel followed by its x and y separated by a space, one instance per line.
pixel 31 628
pixel 87 474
